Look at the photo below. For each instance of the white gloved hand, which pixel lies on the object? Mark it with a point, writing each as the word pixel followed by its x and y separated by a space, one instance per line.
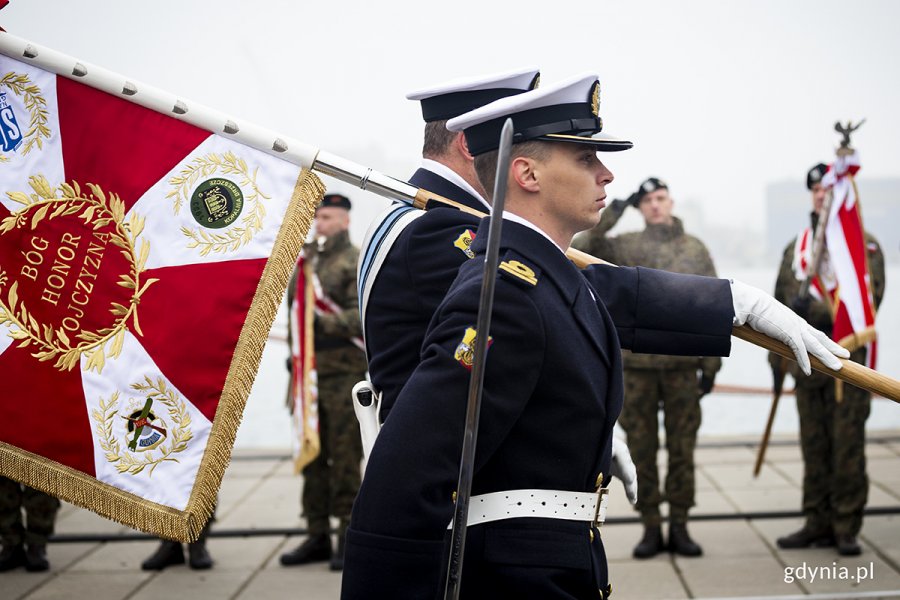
pixel 768 316
pixel 623 467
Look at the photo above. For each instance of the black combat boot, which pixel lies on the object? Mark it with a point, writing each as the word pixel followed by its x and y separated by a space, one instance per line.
pixel 198 556
pixel 316 548
pixel 847 545
pixel 36 558
pixel 651 544
pixel 12 556
pixel 337 559
pixel 806 537
pixel 680 542
pixel 169 553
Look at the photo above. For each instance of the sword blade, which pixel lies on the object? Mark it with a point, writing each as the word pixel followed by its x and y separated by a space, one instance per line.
pixel 476 382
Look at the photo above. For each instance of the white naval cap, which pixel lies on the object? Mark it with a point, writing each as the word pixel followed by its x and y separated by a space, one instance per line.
pixel 568 111
pixel 459 96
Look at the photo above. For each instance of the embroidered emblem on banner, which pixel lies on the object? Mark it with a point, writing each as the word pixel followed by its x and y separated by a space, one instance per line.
pixel 144 432
pixel 70 280
pixel 464 242
pixel 21 131
pixel 465 351
pixel 217 203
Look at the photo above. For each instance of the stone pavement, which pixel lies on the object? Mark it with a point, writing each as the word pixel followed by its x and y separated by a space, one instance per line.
pixel 260 496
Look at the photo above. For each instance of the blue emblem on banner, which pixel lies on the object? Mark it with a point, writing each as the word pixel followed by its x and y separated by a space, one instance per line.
pixel 10 132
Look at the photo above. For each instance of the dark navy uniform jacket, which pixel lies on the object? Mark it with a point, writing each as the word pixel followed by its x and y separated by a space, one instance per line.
pixel 426 257
pixel 553 391
pixel 419 269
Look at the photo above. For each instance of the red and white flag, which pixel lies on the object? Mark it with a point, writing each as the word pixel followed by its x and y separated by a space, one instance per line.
pixel 304 382
pixel 844 279
pixel 852 299
pixel 142 260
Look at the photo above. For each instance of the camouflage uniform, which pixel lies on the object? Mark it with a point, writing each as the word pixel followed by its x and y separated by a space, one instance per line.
pixel 655 381
pixel 40 511
pixel 332 479
pixel 832 434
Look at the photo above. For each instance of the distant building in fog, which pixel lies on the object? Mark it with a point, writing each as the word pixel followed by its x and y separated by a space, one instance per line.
pixel 788 204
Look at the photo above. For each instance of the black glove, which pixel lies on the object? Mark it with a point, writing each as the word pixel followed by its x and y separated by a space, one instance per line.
pixel 618 206
pixel 706 384
pixel 289 363
pixel 635 198
pixel 800 305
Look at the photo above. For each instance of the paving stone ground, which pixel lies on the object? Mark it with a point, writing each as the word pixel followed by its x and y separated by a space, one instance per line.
pixel 741 559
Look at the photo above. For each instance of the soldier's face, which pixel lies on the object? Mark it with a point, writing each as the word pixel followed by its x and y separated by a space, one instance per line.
pixel 574 180
pixel 331 220
pixel 818 197
pixel 657 207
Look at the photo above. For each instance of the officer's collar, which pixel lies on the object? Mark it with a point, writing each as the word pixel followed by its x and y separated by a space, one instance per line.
pixel 537 247
pixel 453 177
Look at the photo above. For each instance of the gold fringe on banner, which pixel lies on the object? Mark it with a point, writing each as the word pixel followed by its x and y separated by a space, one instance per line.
pixel 185 525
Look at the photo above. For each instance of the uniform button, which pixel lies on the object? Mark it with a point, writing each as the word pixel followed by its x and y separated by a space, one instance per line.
pixel 591 530
pixel 599 480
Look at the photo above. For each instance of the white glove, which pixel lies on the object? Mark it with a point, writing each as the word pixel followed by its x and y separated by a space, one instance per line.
pixel 369 425
pixel 623 467
pixel 768 316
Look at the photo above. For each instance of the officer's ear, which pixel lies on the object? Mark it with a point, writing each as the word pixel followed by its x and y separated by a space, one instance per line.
pixel 524 173
pixel 462 146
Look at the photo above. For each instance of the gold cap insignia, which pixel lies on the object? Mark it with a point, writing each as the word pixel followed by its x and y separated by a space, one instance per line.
pixel 595 98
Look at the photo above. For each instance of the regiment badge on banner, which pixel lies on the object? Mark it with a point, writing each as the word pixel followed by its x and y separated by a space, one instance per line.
pixel 142 260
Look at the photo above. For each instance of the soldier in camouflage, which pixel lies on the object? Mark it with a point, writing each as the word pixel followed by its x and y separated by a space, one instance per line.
pixel 25 545
pixel 332 479
pixel 673 383
pixel 832 433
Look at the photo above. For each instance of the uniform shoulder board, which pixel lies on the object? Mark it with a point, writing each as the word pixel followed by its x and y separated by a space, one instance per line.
pixel 514 268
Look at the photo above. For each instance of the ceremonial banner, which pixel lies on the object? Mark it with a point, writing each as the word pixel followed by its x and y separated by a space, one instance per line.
pixel 142 260
pixel 852 301
pixel 844 280
pixel 304 385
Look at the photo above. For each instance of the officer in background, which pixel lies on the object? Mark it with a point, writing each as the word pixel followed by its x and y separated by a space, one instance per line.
pixel 673 383
pixel 423 250
pixel 25 545
pixel 832 433
pixel 332 479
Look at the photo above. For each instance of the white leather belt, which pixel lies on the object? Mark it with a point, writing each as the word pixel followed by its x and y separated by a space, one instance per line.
pixel 545 504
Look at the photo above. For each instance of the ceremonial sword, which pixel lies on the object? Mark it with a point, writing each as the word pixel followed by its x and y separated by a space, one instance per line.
pixel 476 382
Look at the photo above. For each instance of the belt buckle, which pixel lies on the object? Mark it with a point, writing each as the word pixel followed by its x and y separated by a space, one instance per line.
pixel 602 501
